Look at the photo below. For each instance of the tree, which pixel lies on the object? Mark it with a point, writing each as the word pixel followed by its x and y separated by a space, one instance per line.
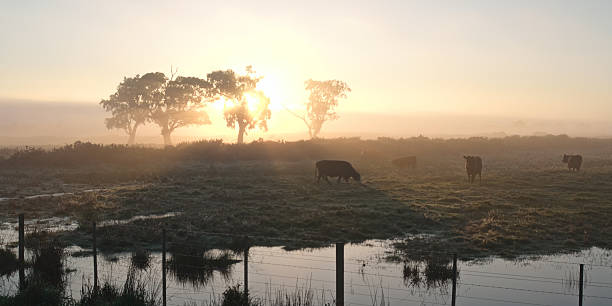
pixel 177 103
pixel 248 107
pixel 128 105
pixel 322 101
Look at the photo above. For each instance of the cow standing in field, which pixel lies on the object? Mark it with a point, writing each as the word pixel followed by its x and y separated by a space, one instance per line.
pixel 473 166
pixel 405 162
pixel 573 162
pixel 341 169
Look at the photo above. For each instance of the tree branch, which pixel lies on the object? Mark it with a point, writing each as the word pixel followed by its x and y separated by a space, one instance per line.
pixel 297 115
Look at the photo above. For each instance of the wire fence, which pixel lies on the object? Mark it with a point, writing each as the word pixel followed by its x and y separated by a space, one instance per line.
pixel 185 274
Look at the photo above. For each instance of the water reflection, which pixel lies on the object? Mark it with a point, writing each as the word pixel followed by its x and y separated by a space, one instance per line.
pixel 196 273
pixel 429 273
pixel 141 259
pixel 8 262
pixel 48 259
pixel 196 267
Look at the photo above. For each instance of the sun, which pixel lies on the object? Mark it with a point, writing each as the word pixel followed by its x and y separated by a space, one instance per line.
pixel 273 90
pixel 253 102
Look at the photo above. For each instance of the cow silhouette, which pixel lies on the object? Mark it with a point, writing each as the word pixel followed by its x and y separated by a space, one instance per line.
pixel 473 166
pixel 574 162
pixel 341 169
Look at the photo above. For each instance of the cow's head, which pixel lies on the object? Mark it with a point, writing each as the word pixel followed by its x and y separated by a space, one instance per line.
pixel 357 176
pixel 565 158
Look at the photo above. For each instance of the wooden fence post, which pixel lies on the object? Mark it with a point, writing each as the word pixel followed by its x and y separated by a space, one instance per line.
pixel 340 274
pixel 95 259
pixel 164 265
pixel 581 284
pixel 454 298
pixel 21 252
pixel 246 271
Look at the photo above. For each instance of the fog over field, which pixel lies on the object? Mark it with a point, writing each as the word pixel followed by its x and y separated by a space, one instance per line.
pixel 305 153
pixel 24 122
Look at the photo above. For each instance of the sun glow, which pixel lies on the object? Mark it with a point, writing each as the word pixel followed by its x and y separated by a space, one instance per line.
pixel 273 90
pixel 253 103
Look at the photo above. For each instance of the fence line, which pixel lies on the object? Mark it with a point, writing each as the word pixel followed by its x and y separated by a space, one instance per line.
pixel 340 261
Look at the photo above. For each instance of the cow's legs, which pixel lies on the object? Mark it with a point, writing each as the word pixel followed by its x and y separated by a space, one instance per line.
pixel 339 178
pixel 327 180
pixel 479 178
pixel 318 178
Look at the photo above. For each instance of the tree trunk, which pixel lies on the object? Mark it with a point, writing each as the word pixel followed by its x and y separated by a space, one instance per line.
pixel 241 129
pixel 316 128
pixel 131 138
pixel 166 133
pixel 132 134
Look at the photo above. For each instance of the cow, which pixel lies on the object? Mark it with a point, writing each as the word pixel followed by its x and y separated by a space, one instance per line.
pixel 405 162
pixel 341 169
pixel 573 161
pixel 473 166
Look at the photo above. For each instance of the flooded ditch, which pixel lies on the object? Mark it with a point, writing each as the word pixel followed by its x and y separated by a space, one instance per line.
pixel 197 275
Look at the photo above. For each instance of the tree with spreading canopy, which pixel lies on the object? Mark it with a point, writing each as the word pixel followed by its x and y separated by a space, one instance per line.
pixel 129 105
pixel 322 101
pixel 246 106
pixel 178 102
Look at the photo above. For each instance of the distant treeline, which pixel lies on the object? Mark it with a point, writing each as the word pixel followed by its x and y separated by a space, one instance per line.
pixel 89 154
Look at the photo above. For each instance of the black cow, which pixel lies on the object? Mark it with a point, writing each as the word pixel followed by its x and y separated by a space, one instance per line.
pixel 473 166
pixel 573 162
pixel 341 169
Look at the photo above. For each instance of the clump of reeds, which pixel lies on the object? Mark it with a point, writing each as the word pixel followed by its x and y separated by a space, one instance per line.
pixel 137 291
pixel 141 259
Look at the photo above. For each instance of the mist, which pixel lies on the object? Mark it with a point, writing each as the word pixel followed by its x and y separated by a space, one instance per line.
pixel 27 122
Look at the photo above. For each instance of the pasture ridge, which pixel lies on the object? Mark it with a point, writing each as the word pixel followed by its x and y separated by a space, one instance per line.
pixel 88 154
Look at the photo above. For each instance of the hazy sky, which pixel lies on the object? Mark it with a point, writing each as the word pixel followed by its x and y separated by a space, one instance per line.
pixel 550 59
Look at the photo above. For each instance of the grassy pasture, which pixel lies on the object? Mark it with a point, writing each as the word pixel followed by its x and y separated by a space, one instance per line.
pixel 528 201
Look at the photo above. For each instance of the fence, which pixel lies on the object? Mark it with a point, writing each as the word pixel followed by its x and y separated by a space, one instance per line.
pixel 330 265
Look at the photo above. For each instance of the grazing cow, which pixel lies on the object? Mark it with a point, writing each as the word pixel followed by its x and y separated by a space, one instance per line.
pixel 405 162
pixel 473 166
pixel 573 162
pixel 341 169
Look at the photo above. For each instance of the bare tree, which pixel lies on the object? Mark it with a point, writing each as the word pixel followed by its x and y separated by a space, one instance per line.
pixel 322 101
pixel 248 107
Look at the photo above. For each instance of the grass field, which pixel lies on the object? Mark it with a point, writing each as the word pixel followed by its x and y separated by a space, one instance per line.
pixel 528 203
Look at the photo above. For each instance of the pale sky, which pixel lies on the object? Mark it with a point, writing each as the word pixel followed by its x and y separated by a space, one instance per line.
pixel 548 59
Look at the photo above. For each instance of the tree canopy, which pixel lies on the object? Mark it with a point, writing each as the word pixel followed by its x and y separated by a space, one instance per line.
pixel 179 103
pixel 129 105
pixel 245 107
pixel 322 101
pixel 169 103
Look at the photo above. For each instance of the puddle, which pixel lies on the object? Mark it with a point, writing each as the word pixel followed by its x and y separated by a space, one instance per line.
pixel 137 218
pixel 548 280
pixel 9 234
pixel 50 195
